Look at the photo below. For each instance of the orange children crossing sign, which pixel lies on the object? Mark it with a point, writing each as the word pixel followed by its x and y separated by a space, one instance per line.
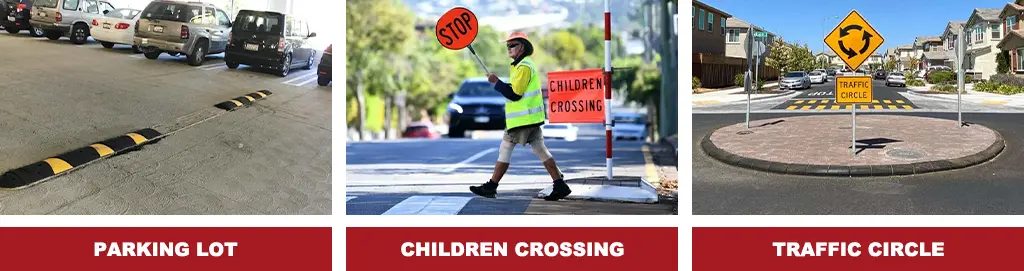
pixel 576 96
pixel 854 40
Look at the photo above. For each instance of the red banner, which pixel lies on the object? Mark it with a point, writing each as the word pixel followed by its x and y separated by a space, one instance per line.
pixel 165 248
pixel 856 248
pixel 516 249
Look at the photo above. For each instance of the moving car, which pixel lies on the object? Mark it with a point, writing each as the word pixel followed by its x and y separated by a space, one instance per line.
pixel 795 80
pixel 421 129
pixel 193 29
pixel 57 18
pixel 270 40
pixel 565 131
pixel 629 125
pixel 17 15
pixel 817 77
pixel 831 73
pixel 117 27
pixel 824 74
pixel 476 106
pixel 324 69
pixel 880 74
pixel 895 78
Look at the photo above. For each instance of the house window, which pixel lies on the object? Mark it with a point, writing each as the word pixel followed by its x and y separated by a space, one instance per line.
pixel 693 16
pixel 734 36
pixel 1011 23
pixel 700 20
pixel 968 37
pixel 995 31
pixel 723 26
pixel 979 33
pixel 711 22
pixel 1020 60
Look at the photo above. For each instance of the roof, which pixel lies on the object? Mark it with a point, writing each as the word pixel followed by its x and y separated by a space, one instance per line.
pixel 919 41
pixel 987 14
pixel 712 9
pixel 954 27
pixel 734 22
pixel 935 55
pixel 905 47
pixel 1009 9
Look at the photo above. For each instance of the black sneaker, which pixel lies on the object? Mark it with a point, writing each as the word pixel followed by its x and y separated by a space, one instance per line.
pixel 487 190
pixel 559 190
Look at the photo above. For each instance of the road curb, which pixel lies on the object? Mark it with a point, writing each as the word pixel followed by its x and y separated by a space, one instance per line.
pixel 35 173
pixel 595 188
pixel 245 100
pixel 988 154
pixel 713 102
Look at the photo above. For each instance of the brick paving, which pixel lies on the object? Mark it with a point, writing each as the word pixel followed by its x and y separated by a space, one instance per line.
pixel 881 140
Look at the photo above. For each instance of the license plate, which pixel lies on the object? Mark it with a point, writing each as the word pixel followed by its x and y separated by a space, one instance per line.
pixel 10 18
pixel 145 41
pixel 482 119
pixel 158 29
pixel 106 26
pixel 252 47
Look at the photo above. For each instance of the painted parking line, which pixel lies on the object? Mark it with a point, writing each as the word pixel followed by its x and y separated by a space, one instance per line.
pixel 429 205
pixel 301 79
pixel 210 67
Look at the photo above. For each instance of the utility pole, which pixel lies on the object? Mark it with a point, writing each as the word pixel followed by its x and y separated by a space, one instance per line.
pixel 668 120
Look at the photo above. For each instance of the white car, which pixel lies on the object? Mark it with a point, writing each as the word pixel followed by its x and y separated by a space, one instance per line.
pixel 824 73
pixel 565 131
pixel 895 78
pixel 817 77
pixel 629 125
pixel 116 27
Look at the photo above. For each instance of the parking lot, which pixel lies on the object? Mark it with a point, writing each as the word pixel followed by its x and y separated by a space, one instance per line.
pixel 272 157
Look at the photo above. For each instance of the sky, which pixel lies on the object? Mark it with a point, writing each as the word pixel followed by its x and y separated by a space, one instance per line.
pixel 898 21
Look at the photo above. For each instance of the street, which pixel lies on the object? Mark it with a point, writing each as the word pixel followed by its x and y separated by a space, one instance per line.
pixel 991 188
pixel 272 157
pixel 413 176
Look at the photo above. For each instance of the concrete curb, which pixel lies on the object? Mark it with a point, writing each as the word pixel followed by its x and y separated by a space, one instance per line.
pixel 790 92
pixel 38 172
pixel 853 171
pixel 644 193
pixel 246 100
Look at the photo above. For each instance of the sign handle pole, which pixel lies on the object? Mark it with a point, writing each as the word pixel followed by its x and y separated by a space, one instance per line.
pixel 960 80
pixel 746 76
pixel 607 87
pixel 471 50
pixel 853 127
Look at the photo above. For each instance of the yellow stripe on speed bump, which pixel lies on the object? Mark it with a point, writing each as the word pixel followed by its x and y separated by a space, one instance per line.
pixel 820 107
pixel 835 107
pixel 874 101
pixel 892 106
pixel 812 101
pixel 887 101
pixel 237 103
pixel 799 101
pixel 57 165
pixel 791 107
pixel 899 101
pixel 101 149
pixel 806 107
pixel 907 107
pixel 863 107
pixel 261 94
pixel 139 139
pixel 250 98
pixel 878 106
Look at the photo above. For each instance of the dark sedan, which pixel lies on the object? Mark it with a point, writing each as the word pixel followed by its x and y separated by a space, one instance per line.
pixel 16 15
pixel 324 69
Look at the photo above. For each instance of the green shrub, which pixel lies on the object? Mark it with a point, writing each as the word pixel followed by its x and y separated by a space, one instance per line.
pixel 696 82
pixel 738 80
pixel 1006 79
pixel 944 88
pixel 987 87
pixel 1009 89
pixel 915 83
pixel 941 77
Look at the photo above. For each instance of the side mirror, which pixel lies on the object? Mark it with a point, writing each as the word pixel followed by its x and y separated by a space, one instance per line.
pixel 105 12
pixel 312 34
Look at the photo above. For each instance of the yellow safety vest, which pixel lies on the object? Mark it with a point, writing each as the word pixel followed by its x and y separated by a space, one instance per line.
pixel 530 109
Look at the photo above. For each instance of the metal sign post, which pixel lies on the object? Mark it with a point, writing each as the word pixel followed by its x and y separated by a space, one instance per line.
pixel 853 127
pixel 854 90
pixel 746 76
pixel 960 50
pixel 607 87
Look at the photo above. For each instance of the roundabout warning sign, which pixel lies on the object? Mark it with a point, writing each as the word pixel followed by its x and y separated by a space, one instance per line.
pixel 854 40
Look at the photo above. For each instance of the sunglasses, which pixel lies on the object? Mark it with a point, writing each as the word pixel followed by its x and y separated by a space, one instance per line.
pixel 512 45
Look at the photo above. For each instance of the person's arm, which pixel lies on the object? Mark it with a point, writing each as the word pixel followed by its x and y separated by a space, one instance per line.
pixel 515 89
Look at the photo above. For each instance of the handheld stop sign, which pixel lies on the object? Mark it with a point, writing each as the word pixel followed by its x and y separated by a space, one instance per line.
pixel 457 29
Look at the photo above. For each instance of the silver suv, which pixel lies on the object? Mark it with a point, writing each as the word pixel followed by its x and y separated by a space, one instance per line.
pixel 193 29
pixel 67 17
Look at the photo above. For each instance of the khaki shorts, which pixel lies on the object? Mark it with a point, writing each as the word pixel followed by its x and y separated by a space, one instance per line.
pixel 523 136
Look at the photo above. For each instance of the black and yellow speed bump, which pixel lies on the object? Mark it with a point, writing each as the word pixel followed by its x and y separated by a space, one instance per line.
pixel 246 100
pixel 829 104
pixel 34 173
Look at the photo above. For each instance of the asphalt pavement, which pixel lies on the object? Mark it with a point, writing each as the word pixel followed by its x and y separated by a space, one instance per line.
pixel 269 158
pixel 413 176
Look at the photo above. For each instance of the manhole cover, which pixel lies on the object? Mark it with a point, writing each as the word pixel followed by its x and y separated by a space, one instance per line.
pixel 908 154
pixel 744 132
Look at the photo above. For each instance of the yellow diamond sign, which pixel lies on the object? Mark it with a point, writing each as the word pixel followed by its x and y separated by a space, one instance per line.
pixel 854 40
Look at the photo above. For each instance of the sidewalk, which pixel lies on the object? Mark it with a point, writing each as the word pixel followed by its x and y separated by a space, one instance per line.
pixel 733 95
pixel 665 155
pixel 972 96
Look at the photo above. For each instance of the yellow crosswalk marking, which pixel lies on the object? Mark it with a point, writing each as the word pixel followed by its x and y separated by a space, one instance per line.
pixel 892 106
pixel 887 101
pixel 806 107
pixel 820 107
pixel 791 107
pixel 863 106
pixel 799 101
pixel 849 106
pixel 874 101
pixel 877 106
pixel 812 101
pixel 907 107
pixel 835 107
pixel 899 101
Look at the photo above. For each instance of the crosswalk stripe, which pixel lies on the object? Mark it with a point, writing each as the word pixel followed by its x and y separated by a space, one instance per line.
pixel 878 106
pixel 799 101
pixel 874 101
pixel 887 101
pixel 429 205
pixel 820 107
pixel 863 107
pixel 812 101
pixel 899 101
pixel 835 107
pixel 907 107
pixel 791 107
pixel 806 107
pixel 892 106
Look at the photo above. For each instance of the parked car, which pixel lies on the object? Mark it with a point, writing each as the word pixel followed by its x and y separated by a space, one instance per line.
pixel 880 75
pixel 58 18
pixel 476 106
pixel 629 125
pixel 421 130
pixel 895 78
pixel 565 131
pixel 272 40
pixel 831 73
pixel 324 69
pixel 193 29
pixel 795 80
pixel 817 77
pixel 17 16
pixel 116 27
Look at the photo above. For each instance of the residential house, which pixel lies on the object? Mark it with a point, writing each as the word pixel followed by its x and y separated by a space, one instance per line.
pixel 875 59
pixel 736 33
pixel 933 47
pixel 983 34
pixel 1011 17
pixel 949 37
pixel 903 55
pixel 832 59
pixel 708 29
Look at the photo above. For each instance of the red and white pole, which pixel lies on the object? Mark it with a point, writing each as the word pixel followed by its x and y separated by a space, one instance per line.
pixel 608 85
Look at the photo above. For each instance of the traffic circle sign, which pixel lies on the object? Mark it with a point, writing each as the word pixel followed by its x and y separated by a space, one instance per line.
pixel 853 89
pixel 854 40
pixel 457 28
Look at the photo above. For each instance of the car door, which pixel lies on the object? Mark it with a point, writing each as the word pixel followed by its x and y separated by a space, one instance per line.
pixel 71 10
pixel 221 31
pixel 90 11
pixel 302 42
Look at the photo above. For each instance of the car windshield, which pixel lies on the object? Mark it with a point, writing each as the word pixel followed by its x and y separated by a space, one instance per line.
pixel 477 89
pixel 896 74
pixel 42 3
pixel 628 119
pixel 795 74
pixel 260 22
pixel 171 12
pixel 123 13
pixel 815 73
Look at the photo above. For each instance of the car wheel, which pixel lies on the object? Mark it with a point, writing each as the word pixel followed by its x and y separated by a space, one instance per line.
pixel 286 66
pixel 53 35
pixel 309 64
pixel 36 32
pixel 152 55
pixel 79 34
pixel 323 80
pixel 136 49
pixel 198 54
pixel 12 30
pixel 107 45
pixel 231 65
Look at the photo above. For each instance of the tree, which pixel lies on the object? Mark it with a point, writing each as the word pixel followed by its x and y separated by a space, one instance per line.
pixel 890 65
pixel 802 58
pixel 567 48
pixel 780 55
pixel 912 69
pixel 379 28
pixel 1003 62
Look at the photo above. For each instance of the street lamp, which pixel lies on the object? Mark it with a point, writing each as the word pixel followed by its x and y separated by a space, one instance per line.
pixel 834 17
